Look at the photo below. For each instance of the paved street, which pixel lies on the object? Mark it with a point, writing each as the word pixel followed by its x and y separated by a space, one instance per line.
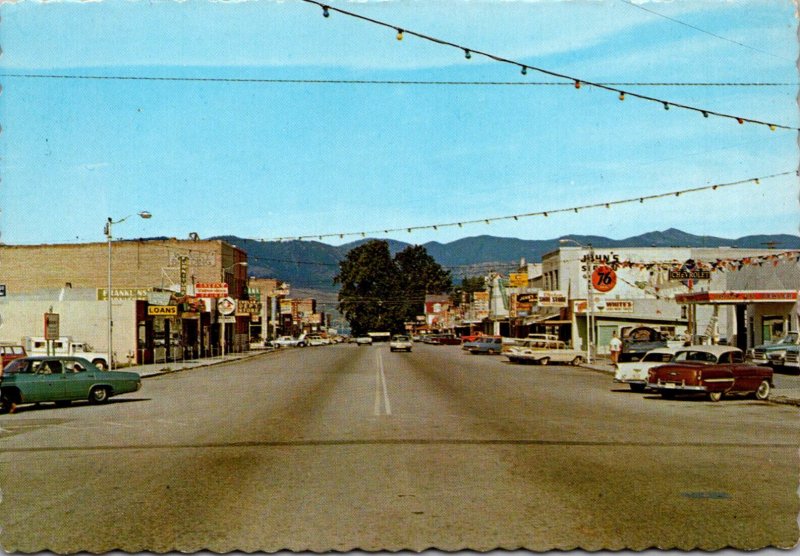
pixel 344 447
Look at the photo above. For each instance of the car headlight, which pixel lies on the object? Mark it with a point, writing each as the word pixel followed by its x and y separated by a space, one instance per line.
pixel 779 353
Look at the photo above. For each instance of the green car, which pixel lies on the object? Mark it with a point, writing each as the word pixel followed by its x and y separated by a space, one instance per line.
pixel 60 379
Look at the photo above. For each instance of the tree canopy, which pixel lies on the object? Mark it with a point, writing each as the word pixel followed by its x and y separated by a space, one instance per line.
pixel 382 293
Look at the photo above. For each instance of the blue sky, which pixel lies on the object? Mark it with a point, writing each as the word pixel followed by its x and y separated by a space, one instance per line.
pixel 269 160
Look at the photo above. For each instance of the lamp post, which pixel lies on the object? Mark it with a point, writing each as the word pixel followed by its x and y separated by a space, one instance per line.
pixel 589 296
pixel 107 231
pixel 222 327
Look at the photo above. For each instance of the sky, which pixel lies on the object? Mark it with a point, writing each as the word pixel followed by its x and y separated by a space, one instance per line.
pixel 239 140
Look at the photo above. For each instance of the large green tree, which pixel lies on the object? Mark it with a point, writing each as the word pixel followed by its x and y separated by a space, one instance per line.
pixel 381 293
pixel 420 275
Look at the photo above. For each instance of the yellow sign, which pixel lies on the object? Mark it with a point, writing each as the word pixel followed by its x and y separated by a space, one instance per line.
pixel 163 310
pixel 518 279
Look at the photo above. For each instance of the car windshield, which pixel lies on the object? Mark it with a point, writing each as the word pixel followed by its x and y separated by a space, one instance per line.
pixel 790 338
pixel 697 356
pixel 657 357
pixel 17 366
pixel 401 338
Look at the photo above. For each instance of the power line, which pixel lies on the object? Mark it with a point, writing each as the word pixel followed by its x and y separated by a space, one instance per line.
pixel 576 81
pixel 391 81
pixel 678 21
pixel 543 213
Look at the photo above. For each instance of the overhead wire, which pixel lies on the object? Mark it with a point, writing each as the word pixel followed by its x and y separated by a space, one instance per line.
pixel 578 82
pixel 541 213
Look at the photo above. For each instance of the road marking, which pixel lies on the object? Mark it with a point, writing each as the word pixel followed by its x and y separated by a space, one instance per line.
pixel 380 388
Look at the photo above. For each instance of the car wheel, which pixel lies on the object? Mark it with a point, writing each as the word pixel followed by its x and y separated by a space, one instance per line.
pixel 7 404
pixel 544 360
pixel 637 387
pixel 763 390
pixel 578 360
pixel 715 396
pixel 98 395
pixel 100 364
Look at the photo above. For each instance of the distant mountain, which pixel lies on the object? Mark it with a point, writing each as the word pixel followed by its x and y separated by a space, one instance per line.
pixel 312 264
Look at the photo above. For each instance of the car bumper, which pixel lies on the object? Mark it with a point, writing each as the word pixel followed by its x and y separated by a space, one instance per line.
pixel 630 381
pixel 676 387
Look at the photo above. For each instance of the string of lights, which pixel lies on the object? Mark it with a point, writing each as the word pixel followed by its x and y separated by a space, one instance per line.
pixel 543 213
pixel 391 81
pixel 578 82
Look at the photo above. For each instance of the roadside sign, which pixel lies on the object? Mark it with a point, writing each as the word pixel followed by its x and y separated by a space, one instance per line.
pixel 604 278
pixel 163 310
pixel 226 306
pixel 2 290
pixel 51 326
pixel 211 289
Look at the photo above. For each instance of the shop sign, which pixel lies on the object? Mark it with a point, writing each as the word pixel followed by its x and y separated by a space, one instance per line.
pixel 254 293
pixel 688 273
pixel 226 306
pixel 604 278
pixel 616 306
pixel 740 296
pixel 552 299
pixel 51 326
pixel 190 316
pixel 163 310
pixel 211 289
pixel 527 297
pixel 159 298
pixel 123 293
pixel 247 307
pixel 518 279
pixel 228 319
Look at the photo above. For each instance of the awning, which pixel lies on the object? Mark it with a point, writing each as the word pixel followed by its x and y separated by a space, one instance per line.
pixel 549 319
pixel 738 296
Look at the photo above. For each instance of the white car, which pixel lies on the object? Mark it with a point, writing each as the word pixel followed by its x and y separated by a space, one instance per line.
pixel 400 343
pixel 634 373
pixel 543 351
pixel 364 341
pixel 316 340
pixel 290 341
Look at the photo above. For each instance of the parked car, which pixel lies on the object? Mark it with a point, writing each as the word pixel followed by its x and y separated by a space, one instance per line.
pixel 445 340
pixel 634 373
pixel 774 353
pixel 543 352
pixel 364 341
pixel 9 352
pixel 639 341
pixel 290 341
pixel 65 345
pixel 61 379
pixel 792 358
pixel 316 340
pixel 400 342
pixel 713 371
pixel 491 345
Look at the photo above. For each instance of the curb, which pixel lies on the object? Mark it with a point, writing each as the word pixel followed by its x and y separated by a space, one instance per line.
pixel 168 370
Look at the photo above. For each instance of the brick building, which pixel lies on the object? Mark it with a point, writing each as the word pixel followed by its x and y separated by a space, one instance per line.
pixel 72 280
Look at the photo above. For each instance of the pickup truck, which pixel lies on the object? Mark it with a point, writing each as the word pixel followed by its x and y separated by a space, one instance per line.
pixel 639 341
pixel 65 345
pixel 775 354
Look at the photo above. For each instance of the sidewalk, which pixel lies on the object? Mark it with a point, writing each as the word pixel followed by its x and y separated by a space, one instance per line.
pixel 157 369
pixel 786 389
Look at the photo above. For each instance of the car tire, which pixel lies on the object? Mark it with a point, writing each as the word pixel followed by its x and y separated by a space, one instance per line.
pixel 98 394
pixel 7 404
pixel 763 390
pixel 544 360
pixel 100 364
pixel 577 361
pixel 715 396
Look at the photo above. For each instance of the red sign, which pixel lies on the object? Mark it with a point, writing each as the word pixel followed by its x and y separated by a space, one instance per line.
pixel 211 289
pixel 734 296
pixel 604 278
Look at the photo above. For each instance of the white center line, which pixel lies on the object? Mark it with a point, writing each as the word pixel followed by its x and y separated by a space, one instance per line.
pixel 380 387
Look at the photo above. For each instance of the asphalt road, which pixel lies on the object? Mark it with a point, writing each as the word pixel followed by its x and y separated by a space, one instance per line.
pixel 345 447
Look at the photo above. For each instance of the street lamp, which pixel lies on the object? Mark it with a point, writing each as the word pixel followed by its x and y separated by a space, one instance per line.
pixel 222 328
pixel 589 296
pixel 107 231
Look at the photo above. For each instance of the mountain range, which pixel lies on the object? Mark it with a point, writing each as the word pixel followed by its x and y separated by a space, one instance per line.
pixel 312 264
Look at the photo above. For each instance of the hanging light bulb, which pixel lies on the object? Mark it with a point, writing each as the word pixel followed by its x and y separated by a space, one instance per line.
pixel 740 120
pixel 487 221
pixel 621 95
pixel 524 70
pixel 467 54
pixel 758 181
pixel 714 187
pixel 545 215
pixel 399 34
pixel 436 227
pixel 577 84
pixel 325 12
pixel 516 218
pixel 772 127
pixel 666 106
pixel 641 199
pixel 705 114
pixel 608 205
